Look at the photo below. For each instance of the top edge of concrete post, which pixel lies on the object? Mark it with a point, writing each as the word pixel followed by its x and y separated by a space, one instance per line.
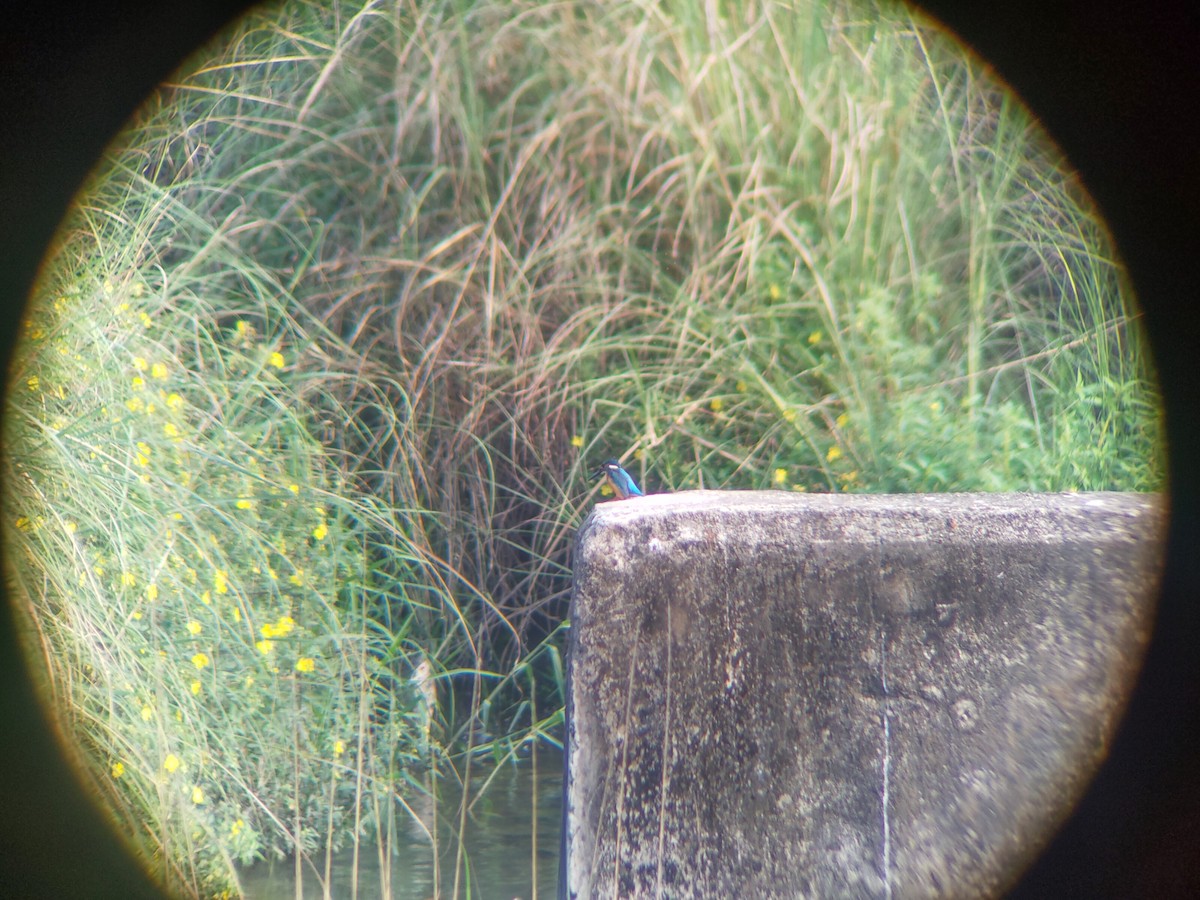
pixel 816 695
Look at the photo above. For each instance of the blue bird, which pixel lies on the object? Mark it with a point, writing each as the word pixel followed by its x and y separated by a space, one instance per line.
pixel 621 481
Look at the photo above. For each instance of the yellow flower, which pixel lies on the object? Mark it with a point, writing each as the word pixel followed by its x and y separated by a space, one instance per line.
pixel 147 713
pixel 245 503
pixel 118 769
pixel 194 627
pixel 815 338
pixel 935 406
pixel 138 382
pixel 135 404
pixel 152 591
pixel 774 292
pixel 220 582
pixel 145 319
pixel 140 364
pixel 196 687
pixel 70 526
pixel 277 359
pixel 32 383
pixel 284 625
pixel 339 747
pixel 200 660
pixel 171 763
pixel 843 420
pixel 320 531
pixel 236 828
pixel 206 598
pixel 174 401
pixel 297 578
pixel 835 453
pixel 264 646
pixel 305 664
pixel 158 370
pixel 197 795
pixel 170 430
pixel 294 488
pixel 128 579
pixel 717 404
pixel 576 441
pixel 781 476
pixel 268 630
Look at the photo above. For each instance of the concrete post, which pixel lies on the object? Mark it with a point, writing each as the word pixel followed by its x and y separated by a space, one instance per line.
pixel 780 695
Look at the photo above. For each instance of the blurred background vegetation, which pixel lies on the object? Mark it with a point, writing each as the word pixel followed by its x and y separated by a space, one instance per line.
pixel 298 435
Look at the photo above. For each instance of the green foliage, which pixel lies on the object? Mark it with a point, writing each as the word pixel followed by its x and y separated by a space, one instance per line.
pixel 204 577
pixel 299 433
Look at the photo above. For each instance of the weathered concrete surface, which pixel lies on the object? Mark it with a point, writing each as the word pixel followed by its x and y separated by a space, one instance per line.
pixel 773 695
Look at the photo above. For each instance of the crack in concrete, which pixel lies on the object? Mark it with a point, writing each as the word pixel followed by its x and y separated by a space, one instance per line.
pixel 885 799
pixel 666 760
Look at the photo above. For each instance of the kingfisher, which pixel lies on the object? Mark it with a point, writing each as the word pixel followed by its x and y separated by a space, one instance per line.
pixel 621 481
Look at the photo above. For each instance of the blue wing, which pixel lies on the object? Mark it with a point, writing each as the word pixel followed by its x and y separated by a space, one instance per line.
pixel 624 483
pixel 621 481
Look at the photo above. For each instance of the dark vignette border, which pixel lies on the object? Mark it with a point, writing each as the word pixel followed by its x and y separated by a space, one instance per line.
pixel 1116 84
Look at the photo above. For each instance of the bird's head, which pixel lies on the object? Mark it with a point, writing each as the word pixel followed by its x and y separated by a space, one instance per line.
pixel 609 467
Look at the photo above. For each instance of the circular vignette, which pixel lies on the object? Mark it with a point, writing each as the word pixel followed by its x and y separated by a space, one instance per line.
pixel 1134 167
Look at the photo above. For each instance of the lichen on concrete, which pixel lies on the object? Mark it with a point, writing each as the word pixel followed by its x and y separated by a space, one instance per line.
pixel 869 696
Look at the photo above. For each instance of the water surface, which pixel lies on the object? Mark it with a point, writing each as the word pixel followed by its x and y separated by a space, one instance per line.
pixel 498 858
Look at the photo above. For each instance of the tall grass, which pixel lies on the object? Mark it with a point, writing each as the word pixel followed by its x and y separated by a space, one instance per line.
pixel 299 432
